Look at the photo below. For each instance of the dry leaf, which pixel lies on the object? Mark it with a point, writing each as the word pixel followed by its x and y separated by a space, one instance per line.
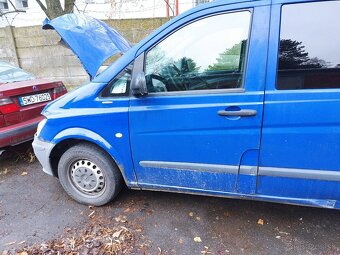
pixel 117 233
pixel 3 171
pixel 260 222
pixel 197 239
pixel 226 214
pixel 282 232
pixel 22 253
pixel 24 173
pixel 206 250
pixel 121 218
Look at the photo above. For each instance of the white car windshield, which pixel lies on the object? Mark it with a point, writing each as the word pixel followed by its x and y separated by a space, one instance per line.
pixel 9 73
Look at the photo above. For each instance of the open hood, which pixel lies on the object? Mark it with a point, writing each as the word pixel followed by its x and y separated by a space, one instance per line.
pixel 92 40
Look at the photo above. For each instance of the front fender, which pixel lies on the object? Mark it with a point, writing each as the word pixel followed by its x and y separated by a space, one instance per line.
pixel 124 163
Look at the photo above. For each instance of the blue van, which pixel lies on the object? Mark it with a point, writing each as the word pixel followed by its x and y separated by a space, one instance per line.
pixel 239 99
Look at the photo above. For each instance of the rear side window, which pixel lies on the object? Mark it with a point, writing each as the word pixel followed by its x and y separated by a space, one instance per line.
pixel 206 54
pixel 309 54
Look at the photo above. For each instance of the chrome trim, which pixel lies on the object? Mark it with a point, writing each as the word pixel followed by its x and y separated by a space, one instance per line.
pixel 191 166
pixel 300 173
pixel 248 170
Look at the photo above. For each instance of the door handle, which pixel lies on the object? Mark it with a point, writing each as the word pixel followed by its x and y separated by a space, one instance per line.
pixel 240 113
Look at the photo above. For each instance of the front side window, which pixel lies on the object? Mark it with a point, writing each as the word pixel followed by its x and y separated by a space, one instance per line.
pixel 309 55
pixel 119 86
pixel 207 54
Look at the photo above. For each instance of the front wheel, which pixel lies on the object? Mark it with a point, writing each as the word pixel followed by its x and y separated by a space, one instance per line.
pixel 89 175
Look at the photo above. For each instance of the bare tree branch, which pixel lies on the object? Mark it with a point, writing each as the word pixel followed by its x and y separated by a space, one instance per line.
pixel 42 6
pixel 14 11
pixel 12 4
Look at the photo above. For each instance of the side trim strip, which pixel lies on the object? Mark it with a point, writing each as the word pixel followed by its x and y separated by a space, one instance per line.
pixel 190 166
pixel 300 173
pixel 247 170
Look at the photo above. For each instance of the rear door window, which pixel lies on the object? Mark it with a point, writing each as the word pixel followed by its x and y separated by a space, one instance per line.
pixel 309 54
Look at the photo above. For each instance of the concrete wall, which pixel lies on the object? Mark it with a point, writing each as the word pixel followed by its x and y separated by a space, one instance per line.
pixel 38 51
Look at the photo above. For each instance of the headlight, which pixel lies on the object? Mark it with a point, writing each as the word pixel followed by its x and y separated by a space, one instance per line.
pixel 40 126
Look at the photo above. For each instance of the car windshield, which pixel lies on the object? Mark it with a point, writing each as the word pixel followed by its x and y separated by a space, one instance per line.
pixel 9 73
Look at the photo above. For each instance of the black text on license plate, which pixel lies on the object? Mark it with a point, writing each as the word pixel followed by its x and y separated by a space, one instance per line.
pixel 34 99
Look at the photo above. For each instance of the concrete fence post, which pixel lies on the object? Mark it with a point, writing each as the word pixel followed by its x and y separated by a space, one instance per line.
pixel 12 44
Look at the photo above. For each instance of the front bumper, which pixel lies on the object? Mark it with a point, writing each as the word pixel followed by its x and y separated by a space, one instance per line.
pixel 42 151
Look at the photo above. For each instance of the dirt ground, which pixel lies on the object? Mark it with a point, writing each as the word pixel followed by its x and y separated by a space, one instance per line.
pixel 35 212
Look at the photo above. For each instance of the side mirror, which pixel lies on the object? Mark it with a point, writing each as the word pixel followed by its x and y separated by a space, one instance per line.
pixel 138 85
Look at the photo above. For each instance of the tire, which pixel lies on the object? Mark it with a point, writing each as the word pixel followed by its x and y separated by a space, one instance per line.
pixel 89 175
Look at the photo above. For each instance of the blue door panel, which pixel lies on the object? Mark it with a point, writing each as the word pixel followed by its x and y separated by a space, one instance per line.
pixel 196 180
pixel 299 188
pixel 189 129
pixel 300 136
pixel 186 128
pixel 302 130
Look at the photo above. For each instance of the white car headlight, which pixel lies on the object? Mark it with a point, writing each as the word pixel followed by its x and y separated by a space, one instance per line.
pixel 40 126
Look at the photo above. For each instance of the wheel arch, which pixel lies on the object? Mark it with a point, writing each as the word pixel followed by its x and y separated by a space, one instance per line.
pixel 71 137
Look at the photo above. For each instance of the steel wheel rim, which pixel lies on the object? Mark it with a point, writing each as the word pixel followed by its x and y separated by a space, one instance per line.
pixel 87 177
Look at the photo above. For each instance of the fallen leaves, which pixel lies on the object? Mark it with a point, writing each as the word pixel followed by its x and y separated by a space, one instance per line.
pixel 197 239
pixel 260 222
pixel 117 233
pixel 24 173
pixel 22 253
pixel 121 218
pixel 206 250
pixel 31 157
pixel 95 239
pixel 91 215
pixel 11 243
pixel 4 171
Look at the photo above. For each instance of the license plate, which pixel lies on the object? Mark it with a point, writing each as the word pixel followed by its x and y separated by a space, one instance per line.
pixel 34 99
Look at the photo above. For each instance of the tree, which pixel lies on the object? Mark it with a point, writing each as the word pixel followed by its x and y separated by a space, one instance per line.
pixel 293 55
pixel 229 59
pixel 54 8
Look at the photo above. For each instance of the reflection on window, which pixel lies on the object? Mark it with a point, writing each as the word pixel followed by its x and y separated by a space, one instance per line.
pixel 120 85
pixel 309 55
pixel 206 54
